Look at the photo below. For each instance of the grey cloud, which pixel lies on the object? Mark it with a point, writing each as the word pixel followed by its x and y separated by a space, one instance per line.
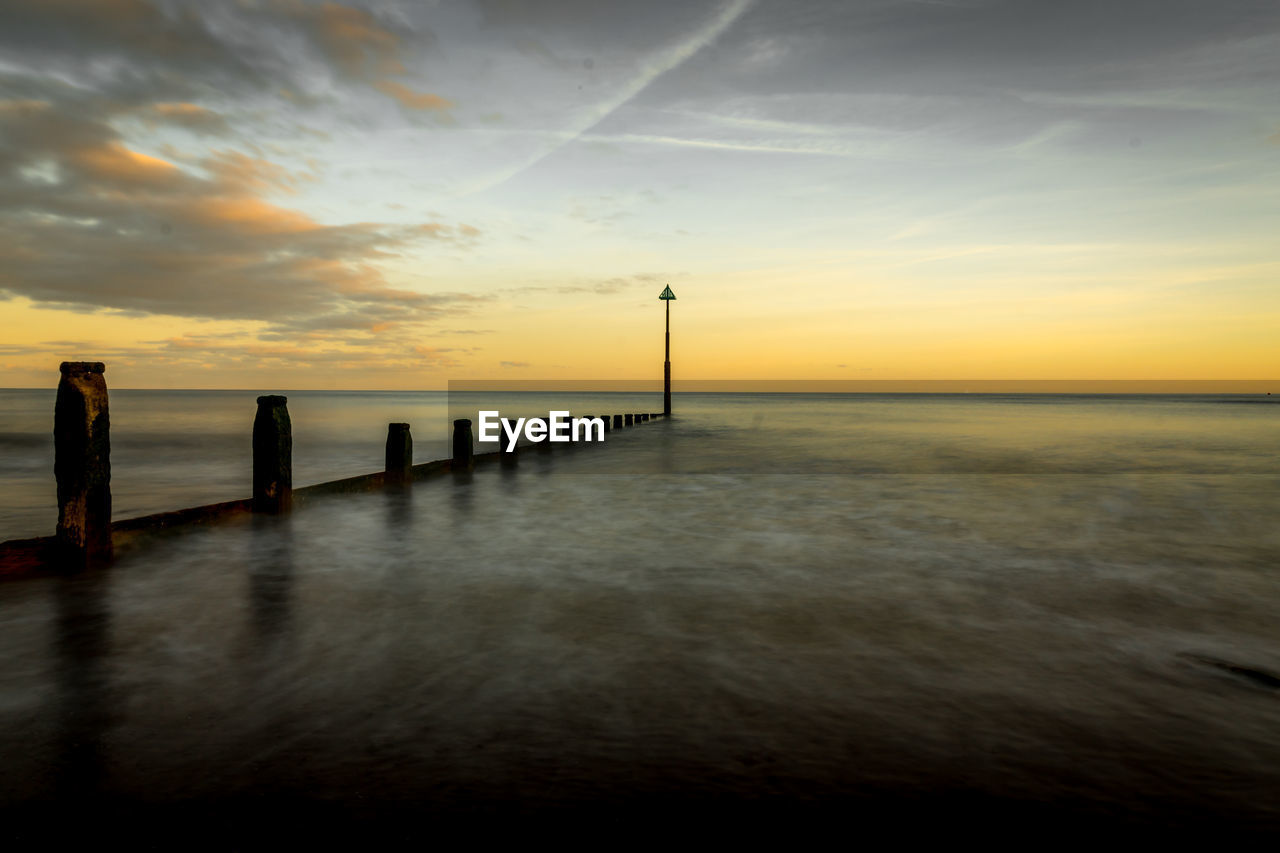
pixel 605 26
pixel 90 224
pixel 861 46
pixel 888 78
pixel 135 52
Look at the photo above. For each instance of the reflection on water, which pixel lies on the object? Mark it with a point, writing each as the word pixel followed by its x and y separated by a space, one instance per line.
pixel 81 649
pixel 270 570
pixel 982 607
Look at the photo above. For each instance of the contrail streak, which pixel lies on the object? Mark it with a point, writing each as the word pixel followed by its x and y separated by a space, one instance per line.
pixel 653 68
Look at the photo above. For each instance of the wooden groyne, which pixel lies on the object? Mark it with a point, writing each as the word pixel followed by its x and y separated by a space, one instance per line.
pixel 86 536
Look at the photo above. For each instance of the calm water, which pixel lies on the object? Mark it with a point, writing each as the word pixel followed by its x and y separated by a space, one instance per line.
pixel 978 603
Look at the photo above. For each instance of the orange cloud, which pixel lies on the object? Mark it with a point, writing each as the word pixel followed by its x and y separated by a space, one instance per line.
pixel 132 232
pixel 249 215
pixel 178 109
pixel 351 37
pixel 25 106
pixel 190 116
pixel 245 174
pixel 362 49
pixel 410 99
pixel 115 163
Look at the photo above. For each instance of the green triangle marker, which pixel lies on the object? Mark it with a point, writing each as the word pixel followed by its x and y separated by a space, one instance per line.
pixel 667 294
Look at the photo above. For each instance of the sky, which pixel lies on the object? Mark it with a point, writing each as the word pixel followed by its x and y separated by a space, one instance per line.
pixel 281 194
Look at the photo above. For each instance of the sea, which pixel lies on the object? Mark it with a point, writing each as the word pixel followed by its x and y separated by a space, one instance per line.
pixel 904 611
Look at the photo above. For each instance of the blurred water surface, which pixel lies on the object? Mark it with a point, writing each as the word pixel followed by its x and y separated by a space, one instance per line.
pixel 768 599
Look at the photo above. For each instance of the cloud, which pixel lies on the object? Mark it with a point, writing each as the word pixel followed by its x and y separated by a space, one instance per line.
pixel 180 53
pixel 137 182
pixel 363 49
pixel 193 117
pixel 608 286
pixel 352 38
pixel 514 364
pixel 236 351
pixel 412 100
pixel 90 223
pixel 601 287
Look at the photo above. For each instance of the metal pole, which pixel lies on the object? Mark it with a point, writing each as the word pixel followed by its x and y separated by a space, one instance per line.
pixel 666 367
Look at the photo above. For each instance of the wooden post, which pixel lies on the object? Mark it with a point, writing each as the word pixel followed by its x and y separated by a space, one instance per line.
pixel 608 421
pixel 628 419
pixel 399 453
pixel 617 421
pixel 82 461
pixel 509 458
pixel 463 450
pixel 272 456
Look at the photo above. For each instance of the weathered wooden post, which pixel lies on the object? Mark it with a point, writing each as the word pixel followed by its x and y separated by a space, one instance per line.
pixel 463 449
pixel 508 455
pixel 82 461
pixel 628 419
pixel 399 454
pixel 617 421
pixel 608 421
pixel 272 456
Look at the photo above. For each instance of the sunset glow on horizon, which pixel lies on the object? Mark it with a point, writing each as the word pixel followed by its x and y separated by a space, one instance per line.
pixel 285 194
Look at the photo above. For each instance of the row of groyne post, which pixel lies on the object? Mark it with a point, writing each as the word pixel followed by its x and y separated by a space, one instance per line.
pixel 86 534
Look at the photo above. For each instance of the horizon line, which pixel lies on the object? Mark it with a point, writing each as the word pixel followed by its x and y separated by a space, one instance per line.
pixel 850 386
